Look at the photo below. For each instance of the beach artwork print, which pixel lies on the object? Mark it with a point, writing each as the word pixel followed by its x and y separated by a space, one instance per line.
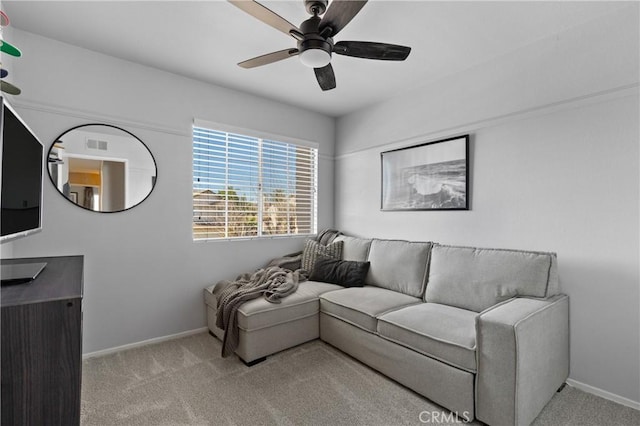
pixel 430 176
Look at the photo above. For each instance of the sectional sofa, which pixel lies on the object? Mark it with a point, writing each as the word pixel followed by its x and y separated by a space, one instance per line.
pixel 482 332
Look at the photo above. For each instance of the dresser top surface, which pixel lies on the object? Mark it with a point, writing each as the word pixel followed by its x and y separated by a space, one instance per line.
pixel 62 278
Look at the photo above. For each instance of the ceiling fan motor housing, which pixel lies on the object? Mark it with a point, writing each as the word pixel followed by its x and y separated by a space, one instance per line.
pixel 312 38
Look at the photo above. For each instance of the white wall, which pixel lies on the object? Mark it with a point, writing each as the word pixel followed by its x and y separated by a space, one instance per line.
pixel 554 166
pixel 144 275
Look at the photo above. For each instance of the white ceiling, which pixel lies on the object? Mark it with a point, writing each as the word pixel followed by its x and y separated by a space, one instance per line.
pixel 204 40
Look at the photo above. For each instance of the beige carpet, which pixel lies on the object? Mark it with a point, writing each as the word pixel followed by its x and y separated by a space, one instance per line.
pixel 186 382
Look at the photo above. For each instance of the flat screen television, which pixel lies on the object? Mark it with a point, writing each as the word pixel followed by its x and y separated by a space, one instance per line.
pixel 21 173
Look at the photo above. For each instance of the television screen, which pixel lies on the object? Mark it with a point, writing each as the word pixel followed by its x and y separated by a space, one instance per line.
pixel 21 185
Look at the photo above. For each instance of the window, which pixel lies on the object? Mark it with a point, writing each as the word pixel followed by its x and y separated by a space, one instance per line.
pixel 245 186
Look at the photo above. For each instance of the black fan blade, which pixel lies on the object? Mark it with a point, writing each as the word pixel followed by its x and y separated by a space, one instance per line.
pixel 266 15
pixel 372 50
pixel 339 14
pixel 326 77
pixel 269 58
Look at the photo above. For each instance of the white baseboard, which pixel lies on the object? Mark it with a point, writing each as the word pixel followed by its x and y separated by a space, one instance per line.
pixel 143 343
pixel 604 394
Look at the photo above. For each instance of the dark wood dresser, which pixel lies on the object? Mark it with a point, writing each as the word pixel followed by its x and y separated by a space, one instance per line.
pixel 42 345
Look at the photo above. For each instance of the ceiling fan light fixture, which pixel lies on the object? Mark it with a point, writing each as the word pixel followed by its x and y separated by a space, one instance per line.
pixel 314 37
pixel 315 58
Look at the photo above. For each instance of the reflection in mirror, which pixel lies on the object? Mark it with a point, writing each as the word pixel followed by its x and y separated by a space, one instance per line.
pixel 102 168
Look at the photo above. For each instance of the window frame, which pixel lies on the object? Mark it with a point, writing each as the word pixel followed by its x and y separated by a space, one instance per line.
pixel 251 133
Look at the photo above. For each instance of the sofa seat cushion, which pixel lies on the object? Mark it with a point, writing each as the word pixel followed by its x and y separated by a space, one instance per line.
pixel 439 331
pixel 361 306
pixel 258 313
pixel 317 288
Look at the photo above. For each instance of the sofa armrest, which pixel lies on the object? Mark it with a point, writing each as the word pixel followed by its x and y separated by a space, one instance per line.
pixel 522 358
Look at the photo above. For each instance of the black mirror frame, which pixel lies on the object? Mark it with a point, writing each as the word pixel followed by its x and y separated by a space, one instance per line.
pixel 155 164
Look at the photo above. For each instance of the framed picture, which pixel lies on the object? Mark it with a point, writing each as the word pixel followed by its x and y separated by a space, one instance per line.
pixel 73 196
pixel 429 176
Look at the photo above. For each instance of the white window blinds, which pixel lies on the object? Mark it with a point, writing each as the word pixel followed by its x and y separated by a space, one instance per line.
pixel 251 187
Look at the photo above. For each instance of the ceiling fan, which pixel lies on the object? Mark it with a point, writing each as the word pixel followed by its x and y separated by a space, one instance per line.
pixel 315 37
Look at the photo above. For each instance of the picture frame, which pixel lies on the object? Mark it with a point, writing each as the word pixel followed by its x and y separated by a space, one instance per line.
pixel 73 196
pixel 428 176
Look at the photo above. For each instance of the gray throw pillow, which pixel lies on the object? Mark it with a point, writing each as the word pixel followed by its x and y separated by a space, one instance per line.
pixel 342 272
pixel 313 249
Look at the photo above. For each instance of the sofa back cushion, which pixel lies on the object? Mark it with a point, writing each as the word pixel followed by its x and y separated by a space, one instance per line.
pixel 476 278
pixel 354 249
pixel 399 265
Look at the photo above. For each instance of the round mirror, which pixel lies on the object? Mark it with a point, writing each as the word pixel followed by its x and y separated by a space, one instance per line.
pixel 102 168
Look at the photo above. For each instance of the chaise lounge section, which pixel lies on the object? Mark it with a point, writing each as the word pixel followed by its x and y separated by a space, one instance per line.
pixel 482 332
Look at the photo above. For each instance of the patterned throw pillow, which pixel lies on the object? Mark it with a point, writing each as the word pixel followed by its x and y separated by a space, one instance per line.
pixel 313 249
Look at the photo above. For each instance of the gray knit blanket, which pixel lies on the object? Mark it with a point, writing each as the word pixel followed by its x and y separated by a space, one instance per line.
pixel 278 279
pixel 272 282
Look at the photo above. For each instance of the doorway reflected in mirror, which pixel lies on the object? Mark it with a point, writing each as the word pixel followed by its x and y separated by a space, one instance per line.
pixel 102 168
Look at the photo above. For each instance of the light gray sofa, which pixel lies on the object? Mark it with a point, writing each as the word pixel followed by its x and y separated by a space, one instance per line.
pixel 482 332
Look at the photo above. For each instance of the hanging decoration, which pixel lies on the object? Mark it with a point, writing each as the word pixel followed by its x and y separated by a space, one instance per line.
pixel 9 49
